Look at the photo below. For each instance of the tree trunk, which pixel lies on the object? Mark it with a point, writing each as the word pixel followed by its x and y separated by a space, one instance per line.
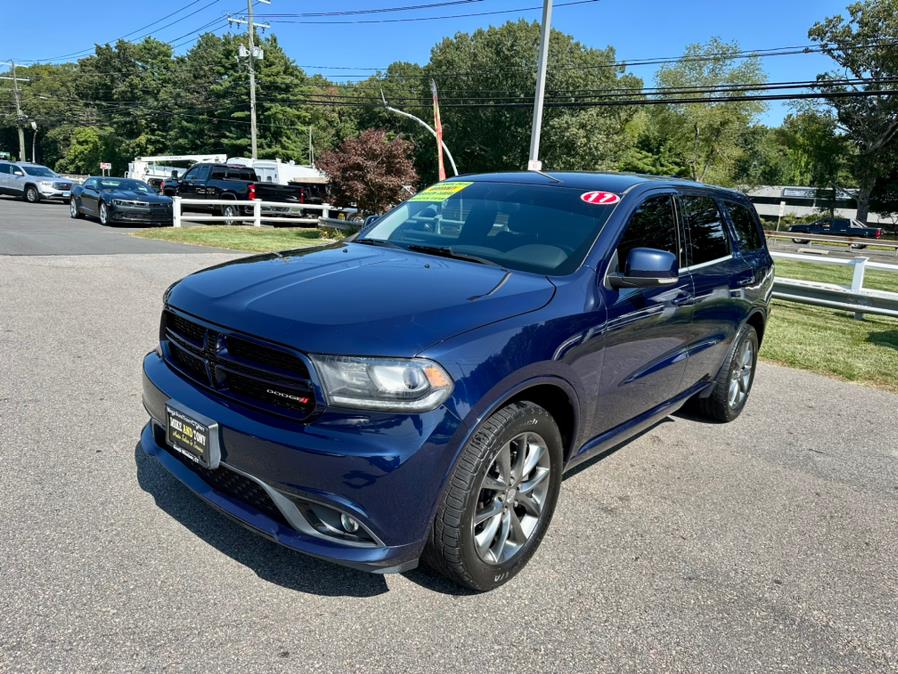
pixel 865 189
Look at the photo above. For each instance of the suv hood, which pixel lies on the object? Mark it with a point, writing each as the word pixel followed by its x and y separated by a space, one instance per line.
pixel 354 299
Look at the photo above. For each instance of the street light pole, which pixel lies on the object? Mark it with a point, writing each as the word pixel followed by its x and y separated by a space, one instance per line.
pixel 534 164
pixel 34 142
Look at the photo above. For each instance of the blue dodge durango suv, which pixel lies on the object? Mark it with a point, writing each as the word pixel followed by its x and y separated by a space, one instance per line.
pixel 416 394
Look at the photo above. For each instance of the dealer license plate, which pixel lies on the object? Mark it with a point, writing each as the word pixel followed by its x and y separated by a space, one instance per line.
pixel 192 435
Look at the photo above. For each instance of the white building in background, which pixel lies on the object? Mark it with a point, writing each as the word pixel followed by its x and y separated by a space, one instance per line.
pixel 775 201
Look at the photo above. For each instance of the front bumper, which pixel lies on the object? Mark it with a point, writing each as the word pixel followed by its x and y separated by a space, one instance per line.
pixel 53 193
pixel 387 471
pixel 162 216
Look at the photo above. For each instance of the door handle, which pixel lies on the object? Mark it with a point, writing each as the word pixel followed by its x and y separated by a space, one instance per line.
pixel 684 299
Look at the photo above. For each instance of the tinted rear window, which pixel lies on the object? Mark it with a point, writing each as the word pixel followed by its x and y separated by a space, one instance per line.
pixel 746 228
pixel 241 174
pixel 707 235
pixel 542 229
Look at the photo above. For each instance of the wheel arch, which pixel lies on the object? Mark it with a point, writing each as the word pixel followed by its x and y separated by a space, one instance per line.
pixel 553 394
pixel 758 321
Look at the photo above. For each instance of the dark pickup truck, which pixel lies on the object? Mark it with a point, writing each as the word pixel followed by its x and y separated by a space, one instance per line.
pixel 232 181
pixel 838 227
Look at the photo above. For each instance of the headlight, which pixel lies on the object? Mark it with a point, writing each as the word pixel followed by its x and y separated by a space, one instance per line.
pixel 386 384
pixel 130 202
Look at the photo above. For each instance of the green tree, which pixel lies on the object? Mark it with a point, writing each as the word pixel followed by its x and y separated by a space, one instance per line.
pixel 87 146
pixel 371 171
pixel 706 135
pixel 498 66
pixel 863 45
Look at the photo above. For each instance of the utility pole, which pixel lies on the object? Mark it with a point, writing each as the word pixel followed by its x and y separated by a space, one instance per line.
pixel 534 164
pixel 250 31
pixel 19 116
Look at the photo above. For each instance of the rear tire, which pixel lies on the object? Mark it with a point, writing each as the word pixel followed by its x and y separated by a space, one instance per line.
pixel 74 211
pixel 800 241
pixel 32 196
pixel 230 212
pixel 733 383
pixel 499 500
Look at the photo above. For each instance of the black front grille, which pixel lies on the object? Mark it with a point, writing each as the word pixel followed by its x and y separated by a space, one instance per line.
pixel 254 374
pixel 229 483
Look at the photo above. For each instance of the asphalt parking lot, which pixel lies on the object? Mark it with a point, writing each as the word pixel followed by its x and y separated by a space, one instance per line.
pixel 769 543
pixel 47 229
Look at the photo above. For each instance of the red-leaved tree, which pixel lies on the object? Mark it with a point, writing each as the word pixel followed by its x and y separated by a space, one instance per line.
pixel 370 171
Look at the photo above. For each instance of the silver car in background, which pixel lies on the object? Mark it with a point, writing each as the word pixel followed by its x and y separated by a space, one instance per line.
pixel 33 182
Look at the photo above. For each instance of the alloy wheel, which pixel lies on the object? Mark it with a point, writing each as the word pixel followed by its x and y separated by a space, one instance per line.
pixel 104 214
pixel 73 208
pixel 741 374
pixel 512 498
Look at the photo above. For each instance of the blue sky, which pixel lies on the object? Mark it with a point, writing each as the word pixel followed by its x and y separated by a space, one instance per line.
pixel 636 28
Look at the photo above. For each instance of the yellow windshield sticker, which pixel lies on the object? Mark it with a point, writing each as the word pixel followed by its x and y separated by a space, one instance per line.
pixel 440 192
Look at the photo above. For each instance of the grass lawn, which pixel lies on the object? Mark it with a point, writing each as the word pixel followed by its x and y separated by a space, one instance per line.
pixel 247 238
pixel 833 343
pixel 829 273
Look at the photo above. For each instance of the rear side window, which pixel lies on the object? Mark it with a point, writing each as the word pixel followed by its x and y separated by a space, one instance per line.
pixel 218 173
pixel 652 225
pixel 707 237
pixel 241 174
pixel 746 229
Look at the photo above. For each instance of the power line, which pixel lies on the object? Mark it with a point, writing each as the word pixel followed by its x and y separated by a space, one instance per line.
pixel 379 10
pixel 627 63
pixel 433 18
pixel 127 35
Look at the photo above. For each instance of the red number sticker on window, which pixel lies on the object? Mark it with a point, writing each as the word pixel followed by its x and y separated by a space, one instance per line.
pixel 599 198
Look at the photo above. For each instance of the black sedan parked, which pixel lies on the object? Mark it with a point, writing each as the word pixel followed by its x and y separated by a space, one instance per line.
pixel 120 200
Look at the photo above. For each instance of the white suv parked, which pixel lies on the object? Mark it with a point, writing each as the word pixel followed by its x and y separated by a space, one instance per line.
pixel 32 182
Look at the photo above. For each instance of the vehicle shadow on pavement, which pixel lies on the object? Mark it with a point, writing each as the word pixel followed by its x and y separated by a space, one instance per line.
pixel 270 561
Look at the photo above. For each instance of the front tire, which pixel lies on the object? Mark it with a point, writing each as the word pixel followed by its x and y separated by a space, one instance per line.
pixel 32 196
pixel 500 499
pixel 734 382
pixel 104 214
pixel 801 241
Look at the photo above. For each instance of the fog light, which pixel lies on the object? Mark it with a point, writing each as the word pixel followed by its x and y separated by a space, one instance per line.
pixel 349 524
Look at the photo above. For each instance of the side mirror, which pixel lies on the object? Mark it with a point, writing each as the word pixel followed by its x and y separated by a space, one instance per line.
pixel 371 219
pixel 646 268
pixel 18 172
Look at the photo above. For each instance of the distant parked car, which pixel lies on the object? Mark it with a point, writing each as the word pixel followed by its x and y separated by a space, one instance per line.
pixel 838 227
pixel 32 182
pixel 113 200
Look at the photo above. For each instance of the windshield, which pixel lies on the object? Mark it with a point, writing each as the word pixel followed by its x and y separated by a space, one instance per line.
pixel 41 171
pixel 125 185
pixel 542 229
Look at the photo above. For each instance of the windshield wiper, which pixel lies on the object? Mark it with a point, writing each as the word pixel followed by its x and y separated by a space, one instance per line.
pixel 379 242
pixel 447 251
